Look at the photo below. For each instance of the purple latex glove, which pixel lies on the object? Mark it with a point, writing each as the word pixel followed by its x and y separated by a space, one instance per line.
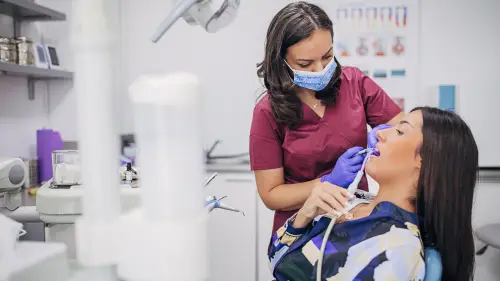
pixel 372 135
pixel 345 170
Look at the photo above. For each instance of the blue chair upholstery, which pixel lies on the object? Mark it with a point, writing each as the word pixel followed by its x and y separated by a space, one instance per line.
pixel 433 265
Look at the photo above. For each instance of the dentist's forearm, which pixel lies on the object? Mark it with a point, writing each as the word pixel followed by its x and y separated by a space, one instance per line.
pixel 288 197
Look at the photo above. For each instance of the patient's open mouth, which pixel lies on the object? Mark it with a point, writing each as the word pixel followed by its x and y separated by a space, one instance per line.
pixel 376 153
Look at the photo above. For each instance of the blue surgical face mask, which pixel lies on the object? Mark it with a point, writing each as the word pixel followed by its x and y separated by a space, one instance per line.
pixel 315 81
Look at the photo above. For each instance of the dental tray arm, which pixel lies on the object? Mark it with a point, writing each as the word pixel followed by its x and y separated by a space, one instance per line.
pixel 180 9
pixel 211 15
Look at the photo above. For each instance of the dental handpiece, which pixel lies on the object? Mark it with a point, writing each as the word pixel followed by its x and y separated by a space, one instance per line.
pixel 355 183
pixel 221 205
pixel 365 151
pixel 213 203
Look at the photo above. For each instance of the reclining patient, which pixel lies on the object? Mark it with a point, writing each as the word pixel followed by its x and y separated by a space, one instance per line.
pixel 426 170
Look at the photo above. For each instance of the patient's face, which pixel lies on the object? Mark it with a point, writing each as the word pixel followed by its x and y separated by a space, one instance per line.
pixel 398 146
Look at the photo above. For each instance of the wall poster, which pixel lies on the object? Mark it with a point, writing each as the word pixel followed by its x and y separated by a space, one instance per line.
pixel 381 38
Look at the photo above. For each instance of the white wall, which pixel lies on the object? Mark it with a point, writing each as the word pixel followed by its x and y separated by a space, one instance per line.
pixel 459 45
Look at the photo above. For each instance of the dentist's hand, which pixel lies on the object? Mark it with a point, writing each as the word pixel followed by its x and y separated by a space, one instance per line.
pixel 325 198
pixel 345 170
pixel 372 135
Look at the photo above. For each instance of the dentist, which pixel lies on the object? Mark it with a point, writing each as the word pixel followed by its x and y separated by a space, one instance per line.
pixel 312 121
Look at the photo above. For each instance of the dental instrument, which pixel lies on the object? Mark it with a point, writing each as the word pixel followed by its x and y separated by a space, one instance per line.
pixel 352 189
pixel 365 151
pixel 209 179
pixel 213 202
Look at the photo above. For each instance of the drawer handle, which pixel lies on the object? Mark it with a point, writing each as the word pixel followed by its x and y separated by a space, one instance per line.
pixel 239 180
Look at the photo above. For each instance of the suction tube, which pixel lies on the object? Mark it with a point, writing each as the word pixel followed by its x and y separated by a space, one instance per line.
pixel 352 189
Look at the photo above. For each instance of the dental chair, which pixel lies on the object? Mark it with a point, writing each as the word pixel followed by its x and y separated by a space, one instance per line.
pixel 489 235
pixel 433 265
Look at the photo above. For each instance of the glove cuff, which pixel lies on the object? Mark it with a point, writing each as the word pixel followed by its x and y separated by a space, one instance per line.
pixel 324 178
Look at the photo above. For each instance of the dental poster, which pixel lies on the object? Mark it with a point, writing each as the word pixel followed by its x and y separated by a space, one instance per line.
pixel 381 38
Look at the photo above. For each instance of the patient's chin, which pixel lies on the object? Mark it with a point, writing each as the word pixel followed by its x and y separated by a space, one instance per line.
pixel 371 169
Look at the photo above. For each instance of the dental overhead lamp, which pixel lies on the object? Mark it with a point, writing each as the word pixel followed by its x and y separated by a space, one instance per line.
pixel 212 15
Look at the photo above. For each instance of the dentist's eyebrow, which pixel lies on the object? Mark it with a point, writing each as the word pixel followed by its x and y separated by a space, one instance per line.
pixel 309 60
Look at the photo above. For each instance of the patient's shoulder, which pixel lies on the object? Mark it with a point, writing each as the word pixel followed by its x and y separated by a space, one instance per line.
pixel 387 215
pixel 387 234
pixel 393 234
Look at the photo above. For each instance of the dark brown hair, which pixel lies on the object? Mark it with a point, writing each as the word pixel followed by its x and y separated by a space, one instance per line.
pixel 290 25
pixel 445 190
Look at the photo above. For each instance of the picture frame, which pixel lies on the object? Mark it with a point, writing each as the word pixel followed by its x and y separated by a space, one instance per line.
pixel 53 57
pixel 40 54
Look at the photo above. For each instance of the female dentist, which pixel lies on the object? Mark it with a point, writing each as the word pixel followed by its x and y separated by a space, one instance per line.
pixel 307 130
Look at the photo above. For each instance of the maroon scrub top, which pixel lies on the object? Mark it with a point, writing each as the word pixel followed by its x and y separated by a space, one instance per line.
pixel 312 149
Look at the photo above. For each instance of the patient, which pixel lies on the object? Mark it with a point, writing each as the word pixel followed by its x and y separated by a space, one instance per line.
pixel 426 171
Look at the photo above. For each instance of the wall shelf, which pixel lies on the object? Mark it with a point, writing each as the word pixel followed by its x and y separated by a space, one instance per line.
pixel 11 69
pixel 29 11
pixel 26 10
pixel 33 74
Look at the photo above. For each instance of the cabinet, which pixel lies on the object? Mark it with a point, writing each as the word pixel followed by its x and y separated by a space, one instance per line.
pixel 265 219
pixel 232 236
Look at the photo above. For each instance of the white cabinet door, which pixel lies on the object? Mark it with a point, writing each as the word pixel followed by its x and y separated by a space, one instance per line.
pixel 232 236
pixel 265 219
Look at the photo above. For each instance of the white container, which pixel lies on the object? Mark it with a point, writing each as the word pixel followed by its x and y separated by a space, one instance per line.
pixel 167 126
pixel 168 235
